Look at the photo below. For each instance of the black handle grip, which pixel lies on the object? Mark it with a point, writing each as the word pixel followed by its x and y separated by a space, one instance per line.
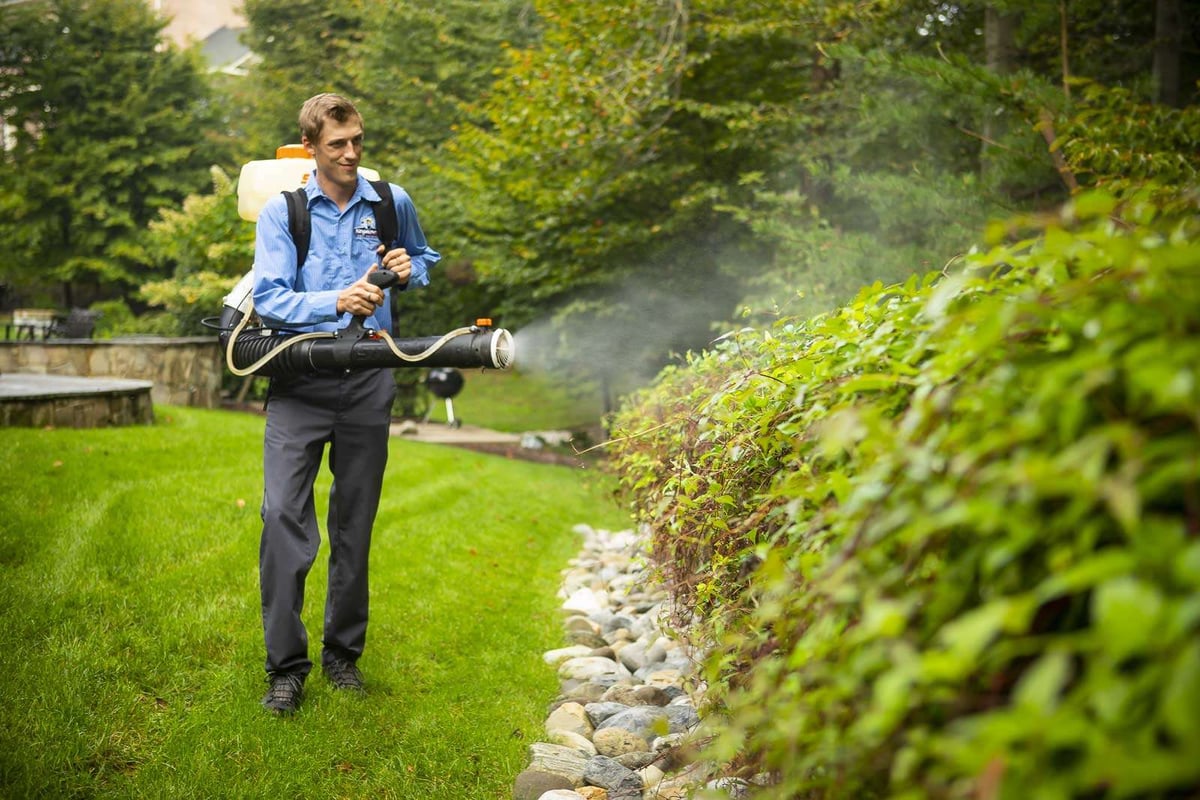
pixel 383 278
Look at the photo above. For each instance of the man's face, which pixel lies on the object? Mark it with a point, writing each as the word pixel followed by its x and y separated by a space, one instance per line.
pixel 338 152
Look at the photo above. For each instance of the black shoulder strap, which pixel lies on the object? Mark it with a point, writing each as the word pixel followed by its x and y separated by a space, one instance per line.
pixel 386 223
pixel 299 223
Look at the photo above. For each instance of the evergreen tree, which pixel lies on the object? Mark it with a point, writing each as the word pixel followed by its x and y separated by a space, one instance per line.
pixel 108 123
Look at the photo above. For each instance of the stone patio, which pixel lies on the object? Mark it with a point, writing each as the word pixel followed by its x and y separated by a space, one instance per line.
pixel 66 401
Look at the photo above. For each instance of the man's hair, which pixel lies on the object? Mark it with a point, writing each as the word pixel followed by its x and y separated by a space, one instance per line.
pixel 321 107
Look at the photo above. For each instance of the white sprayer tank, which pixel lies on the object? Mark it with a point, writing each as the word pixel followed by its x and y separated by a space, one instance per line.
pixel 290 169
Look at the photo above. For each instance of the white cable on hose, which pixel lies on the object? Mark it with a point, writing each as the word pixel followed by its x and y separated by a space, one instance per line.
pixel 257 365
pixel 428 351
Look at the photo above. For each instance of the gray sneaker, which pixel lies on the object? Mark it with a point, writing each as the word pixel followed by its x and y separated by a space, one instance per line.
pixel 283 698
pixel 344 675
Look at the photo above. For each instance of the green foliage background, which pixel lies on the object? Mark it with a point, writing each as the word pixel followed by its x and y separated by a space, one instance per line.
pixel 107 128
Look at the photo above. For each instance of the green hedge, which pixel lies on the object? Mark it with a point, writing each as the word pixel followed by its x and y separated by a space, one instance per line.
pixel 945 542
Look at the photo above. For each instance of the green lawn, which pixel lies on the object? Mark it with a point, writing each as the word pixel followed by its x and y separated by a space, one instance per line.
pixel 516 401
pixel 130 640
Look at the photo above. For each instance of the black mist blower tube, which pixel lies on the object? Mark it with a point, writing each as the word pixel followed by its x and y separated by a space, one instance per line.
pixel 355 347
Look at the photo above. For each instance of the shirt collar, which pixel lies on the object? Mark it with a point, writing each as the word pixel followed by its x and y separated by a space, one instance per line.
pixel 365 190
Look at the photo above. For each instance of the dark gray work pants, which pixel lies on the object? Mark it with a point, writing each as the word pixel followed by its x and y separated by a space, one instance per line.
pixel 351 413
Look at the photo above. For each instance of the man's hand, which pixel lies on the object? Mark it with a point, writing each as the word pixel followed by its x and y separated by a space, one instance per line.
pixel 360 298
pixel 398 261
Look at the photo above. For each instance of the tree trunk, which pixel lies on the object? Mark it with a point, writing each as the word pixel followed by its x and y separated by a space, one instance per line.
pixel 999 36
pixel 1168 25
pixel 1000 48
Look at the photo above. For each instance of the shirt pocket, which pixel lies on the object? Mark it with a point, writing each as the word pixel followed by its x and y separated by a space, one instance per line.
pixel 362 250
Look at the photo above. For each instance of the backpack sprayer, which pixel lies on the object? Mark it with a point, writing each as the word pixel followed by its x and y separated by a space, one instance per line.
pixel 260 350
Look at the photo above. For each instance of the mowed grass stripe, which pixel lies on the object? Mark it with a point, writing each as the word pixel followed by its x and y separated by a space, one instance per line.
pixel 131 653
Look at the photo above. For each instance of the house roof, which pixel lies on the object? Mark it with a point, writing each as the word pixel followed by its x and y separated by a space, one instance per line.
pixel 225 52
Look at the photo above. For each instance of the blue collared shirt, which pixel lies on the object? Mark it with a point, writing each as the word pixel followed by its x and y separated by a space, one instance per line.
pixel 341 250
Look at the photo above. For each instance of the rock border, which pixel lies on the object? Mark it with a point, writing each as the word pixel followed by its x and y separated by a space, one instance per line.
pixel 625 722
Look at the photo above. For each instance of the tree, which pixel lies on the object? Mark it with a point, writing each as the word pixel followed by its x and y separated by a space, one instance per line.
pixel 646 157
pixel 1168 39
pixel 210 246
pixel 303 47
pixel 595 171
pixel 426 63
pixel 941 116
pixel 1000 28
pixel 109 124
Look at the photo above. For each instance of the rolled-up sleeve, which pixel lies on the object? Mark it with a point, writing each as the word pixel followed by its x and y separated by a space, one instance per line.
pixel 276 298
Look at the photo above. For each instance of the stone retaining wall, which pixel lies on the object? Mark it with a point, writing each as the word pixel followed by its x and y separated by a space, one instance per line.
pixel 186 371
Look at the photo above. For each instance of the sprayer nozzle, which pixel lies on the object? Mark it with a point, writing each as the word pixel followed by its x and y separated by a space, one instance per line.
pixel 503 349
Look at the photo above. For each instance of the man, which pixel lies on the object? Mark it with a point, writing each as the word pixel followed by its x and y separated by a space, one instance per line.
pixel 349 411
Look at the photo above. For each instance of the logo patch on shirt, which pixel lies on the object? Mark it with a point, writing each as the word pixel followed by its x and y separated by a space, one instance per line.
pixel 366 227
